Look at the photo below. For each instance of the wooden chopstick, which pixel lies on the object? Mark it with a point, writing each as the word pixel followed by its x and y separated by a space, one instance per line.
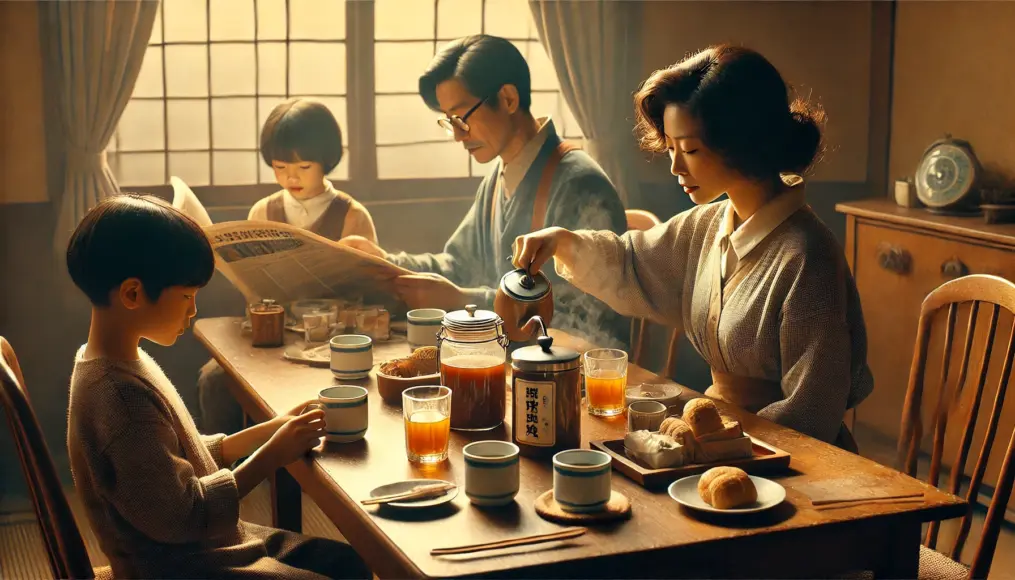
pixel 865 499
pixel 417 492
pixel 524 541
pixel 870 502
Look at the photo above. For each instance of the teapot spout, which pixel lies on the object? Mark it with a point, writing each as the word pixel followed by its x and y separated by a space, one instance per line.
pixel 532 324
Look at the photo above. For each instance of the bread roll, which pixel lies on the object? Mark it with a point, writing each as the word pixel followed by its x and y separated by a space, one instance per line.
pixel 706 480
pixel 732 490
pixel 667 424
pixel 730 430
pixel 703 416
pixel 716 451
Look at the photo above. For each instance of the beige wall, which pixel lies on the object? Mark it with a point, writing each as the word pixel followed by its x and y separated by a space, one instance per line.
pixel 822 48
pixel 954 73
pixel 22 127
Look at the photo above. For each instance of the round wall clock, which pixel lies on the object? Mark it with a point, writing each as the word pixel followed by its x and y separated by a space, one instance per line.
pixel 947 178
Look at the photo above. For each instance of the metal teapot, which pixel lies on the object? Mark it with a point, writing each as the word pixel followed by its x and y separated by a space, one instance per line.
pixel 520 297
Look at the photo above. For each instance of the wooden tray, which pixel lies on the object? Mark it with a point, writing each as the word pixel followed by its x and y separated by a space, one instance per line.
pixel 767 458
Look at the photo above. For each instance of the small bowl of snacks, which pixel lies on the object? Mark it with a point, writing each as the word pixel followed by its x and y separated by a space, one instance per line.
pixel 417 369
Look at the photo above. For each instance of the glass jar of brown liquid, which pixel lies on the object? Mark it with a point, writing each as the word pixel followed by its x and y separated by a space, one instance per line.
pixel 546 395
pixel 472 356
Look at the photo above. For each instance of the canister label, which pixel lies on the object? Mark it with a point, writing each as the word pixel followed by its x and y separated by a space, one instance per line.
pixel 535 413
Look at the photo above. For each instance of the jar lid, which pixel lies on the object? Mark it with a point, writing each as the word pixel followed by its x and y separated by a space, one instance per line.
pixel 471 320
pixel 545 357
pixel 520 285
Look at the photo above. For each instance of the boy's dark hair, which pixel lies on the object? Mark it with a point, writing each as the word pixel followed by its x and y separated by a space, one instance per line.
pixel 743 106
pixel 303 129
pixel 137 236
pixel 484 64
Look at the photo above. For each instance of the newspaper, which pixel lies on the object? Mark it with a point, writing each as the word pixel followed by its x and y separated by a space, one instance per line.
pixel 279 261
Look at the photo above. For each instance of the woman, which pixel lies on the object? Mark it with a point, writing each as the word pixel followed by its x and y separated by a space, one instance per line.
pixel 757 282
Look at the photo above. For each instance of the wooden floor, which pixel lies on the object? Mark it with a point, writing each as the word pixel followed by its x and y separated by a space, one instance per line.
pixel 23 555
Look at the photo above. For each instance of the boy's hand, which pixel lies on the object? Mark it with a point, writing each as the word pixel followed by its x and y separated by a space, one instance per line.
pixel 364 245
pixel 295 438
pixel 300 409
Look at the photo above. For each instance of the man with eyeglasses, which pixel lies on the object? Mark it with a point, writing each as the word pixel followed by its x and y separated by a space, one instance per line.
pixel 482 86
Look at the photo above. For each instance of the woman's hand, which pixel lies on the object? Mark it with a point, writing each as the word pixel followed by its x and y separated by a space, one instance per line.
pixel 533 250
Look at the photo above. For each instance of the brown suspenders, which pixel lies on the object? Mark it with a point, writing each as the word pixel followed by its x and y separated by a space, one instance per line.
pixel 542 192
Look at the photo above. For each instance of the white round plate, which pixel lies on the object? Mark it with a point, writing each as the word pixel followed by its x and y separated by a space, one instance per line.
pixel 685 492
pixel 408 484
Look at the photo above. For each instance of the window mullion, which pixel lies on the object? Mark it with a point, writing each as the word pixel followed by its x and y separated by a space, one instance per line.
pixel 361 131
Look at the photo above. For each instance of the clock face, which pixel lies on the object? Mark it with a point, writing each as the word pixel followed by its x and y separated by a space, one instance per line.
pixel 945 176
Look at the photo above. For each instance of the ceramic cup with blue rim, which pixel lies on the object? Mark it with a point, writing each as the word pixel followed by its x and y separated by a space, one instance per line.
pixel 352 356
pixel 491 472
pixel 422 326
pixel 345 412
pixel 581 480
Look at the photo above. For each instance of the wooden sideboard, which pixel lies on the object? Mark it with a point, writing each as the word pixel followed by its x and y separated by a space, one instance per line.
pixel 898 256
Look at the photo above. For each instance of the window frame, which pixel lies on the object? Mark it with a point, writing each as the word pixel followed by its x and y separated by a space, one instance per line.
pixel 359 133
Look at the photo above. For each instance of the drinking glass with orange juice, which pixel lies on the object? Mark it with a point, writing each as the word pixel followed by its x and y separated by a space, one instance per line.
pixel 427 414
pixel 605 381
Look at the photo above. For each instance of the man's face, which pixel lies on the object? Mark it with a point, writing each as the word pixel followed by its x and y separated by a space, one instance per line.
pixel 490 127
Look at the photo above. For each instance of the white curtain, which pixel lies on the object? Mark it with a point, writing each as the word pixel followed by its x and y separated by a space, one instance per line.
pixel 96 48
pixel 595 47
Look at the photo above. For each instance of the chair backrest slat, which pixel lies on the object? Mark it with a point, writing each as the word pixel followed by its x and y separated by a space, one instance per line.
pixel 998 293
pixel 939 436
pixel 68 557
pixel 988 443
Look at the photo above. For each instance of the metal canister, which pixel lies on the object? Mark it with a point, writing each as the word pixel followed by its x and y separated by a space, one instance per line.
pixel 546 395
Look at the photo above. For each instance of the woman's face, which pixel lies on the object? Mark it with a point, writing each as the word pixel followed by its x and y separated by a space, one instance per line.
pixel 700 171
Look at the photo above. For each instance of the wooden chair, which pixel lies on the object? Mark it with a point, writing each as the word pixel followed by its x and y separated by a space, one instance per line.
pixel 989 294
pixel 638 219
pixel 68 557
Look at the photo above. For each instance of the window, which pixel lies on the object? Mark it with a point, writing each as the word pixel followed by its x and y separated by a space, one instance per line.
pixel 406 36
pixel 214 69
pixel 212 73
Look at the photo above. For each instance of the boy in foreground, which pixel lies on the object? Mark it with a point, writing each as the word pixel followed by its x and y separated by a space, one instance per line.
pixel 160 496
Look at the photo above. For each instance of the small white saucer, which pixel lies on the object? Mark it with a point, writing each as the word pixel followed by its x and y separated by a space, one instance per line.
pixel 403 486
pixel 685 492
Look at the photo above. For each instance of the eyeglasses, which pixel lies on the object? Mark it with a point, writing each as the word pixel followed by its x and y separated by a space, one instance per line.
pixel 453 122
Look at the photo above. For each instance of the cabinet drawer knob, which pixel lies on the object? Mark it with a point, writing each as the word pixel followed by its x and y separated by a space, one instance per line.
pixel 954 268
pixel 894 259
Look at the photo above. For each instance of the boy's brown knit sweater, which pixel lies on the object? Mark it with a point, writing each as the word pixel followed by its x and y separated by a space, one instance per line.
pixel 156 491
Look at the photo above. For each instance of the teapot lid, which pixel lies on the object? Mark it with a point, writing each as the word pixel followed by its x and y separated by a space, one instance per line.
pixel 471 319
pixel 545 357
pixel 520 285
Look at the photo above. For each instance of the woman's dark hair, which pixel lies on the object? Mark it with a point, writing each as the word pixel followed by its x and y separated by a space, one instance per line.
pixel 743 107
pixel 484 64
pixel 302 129
pixel 137 236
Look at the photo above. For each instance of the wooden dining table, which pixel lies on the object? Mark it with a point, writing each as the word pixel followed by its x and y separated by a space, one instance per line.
pixel 660 538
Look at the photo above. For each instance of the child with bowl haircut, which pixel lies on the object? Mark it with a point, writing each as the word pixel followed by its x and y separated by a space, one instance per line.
pixel 302 142
pixel 162 498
